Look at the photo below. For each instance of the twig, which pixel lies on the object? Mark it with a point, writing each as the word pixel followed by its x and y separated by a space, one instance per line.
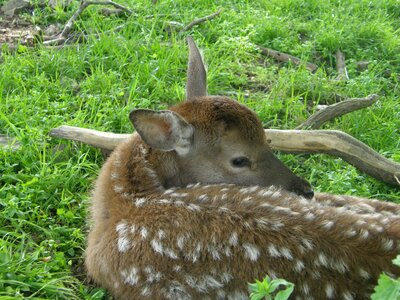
pixel 336 110
pixel 284 57
pixel 62 37
pixel 198 21
pixel 331 142
pixel 341 66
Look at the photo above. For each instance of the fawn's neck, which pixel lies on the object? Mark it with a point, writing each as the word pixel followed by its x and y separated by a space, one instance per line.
pixel 140 170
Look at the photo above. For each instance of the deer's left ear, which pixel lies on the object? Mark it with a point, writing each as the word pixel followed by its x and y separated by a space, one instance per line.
pixel 163 130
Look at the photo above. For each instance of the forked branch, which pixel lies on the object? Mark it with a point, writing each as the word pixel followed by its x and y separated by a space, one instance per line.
pixel 199 21
pixel 331 142
pixel 63 36
pixel 330 112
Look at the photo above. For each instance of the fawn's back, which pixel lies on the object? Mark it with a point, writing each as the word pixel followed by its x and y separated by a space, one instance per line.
pixel 195 205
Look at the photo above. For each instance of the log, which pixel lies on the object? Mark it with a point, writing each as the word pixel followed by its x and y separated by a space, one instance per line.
pixel 330 142
pixel 336 110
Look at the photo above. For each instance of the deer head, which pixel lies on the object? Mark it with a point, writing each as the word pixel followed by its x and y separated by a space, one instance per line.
pixel 213 139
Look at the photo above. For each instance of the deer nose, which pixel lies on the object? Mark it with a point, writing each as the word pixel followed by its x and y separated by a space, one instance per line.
pixel 303 188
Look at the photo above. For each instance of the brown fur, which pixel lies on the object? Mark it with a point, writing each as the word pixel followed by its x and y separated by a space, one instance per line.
pixel 291 236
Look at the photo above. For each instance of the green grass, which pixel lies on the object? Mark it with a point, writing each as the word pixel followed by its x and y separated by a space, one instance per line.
pixel 44 192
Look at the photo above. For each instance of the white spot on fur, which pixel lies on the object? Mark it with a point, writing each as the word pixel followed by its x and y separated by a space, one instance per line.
pixel 169 191
pixel 387 244
pixel 309 216
pixel 305 288
pixel 273 251
pixel 299 266
pixel 152 275
pixel 176 291
pixel 328 224
pixel 180 241
pixel 251 251
pixel 123 244
pixel 286 253
pixel 224 209
pixel 121 227
pixel 214 252
pixel 157 246
pixel 237 295
pixel 340 266
pixel 321 260
pixel 233 239
pixel 364 274
pixel 118 188
pixel 144 233
pixel 347 295
pixel 131 276
pixel 146 291
pixel 277 226
pixel 139 202
pixel 203 198
pixel 179 195
pixel 193 207
pixel 364 234
pixel 351 232
pixel 329 291
pixel 247 199
pixel 170 253
pixel 114 176
pixel 177 268
pixel 226 277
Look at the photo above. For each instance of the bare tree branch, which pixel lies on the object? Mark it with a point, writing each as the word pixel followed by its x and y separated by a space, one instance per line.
pixel 284 57
pixel 341 66
pixel 62 37
pixel 331 142
pixel 198 21
pixel 336 110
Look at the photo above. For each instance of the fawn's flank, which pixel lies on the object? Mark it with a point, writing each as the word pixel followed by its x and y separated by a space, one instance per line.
pixel 195 206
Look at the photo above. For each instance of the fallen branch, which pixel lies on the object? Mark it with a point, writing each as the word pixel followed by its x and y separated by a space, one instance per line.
pixel 63 36
pixel 336 110
pixel 341 66
pixel 7 142
pixel 284 57
pixel 331 142
pixel 198 21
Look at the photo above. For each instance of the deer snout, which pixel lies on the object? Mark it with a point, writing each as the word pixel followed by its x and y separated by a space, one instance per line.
pixel 302 188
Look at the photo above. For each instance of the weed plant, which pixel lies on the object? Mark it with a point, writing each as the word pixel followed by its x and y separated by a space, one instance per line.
pixel 45 185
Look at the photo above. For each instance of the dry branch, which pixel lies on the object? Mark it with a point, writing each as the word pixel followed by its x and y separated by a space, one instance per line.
pixel 284 57
pixel 331 142
pixel 198 21
pixel 341 66
pixel 63 36
pixel 7 142
pixel 336 110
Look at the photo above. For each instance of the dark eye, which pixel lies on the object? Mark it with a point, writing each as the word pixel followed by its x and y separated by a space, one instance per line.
pixel 240 162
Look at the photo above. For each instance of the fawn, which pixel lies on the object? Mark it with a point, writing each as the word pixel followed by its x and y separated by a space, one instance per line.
pixel 195 206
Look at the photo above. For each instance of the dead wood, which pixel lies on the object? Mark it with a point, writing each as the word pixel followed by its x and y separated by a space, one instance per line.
pixel 330 112
pixel 341 66
pixel 7 142
pixel 63 36
pixel 199 21
pixel 284 57
pixel 331 142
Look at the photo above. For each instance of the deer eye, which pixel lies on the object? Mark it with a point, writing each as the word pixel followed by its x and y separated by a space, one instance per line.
pixel 240 162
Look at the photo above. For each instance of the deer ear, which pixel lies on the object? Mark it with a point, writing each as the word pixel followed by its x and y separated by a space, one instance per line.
pixel 196 85
pixel 163 130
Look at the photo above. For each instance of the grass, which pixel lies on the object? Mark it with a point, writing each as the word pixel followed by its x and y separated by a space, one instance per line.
pixel 45 186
